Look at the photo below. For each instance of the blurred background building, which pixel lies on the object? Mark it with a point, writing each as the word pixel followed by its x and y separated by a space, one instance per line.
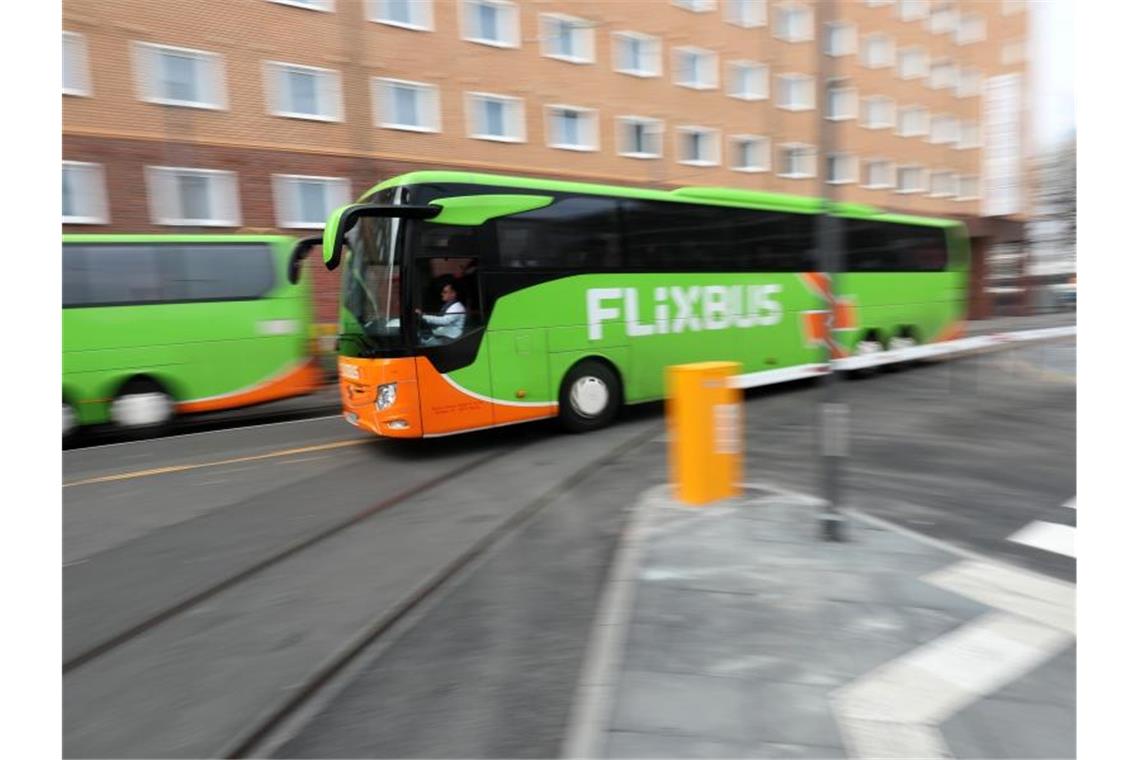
pixel 222 115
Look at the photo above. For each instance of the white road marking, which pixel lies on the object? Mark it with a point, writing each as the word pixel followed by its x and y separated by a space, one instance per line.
pixel 1052 537
pixel 1036 597
pixel 1071 503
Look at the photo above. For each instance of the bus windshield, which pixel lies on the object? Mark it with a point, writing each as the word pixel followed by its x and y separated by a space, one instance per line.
pixel 372 283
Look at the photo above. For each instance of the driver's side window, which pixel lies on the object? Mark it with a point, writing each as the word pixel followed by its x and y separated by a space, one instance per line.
pixel 449 301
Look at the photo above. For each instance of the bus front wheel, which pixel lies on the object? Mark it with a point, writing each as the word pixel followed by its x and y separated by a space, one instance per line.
pixel 142 406
pixel 590 396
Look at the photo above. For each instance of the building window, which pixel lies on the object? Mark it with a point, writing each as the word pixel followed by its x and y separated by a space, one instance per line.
pixel 751 153
pixel 878 112
pixel 639 137
pixel 695 68
pixel 842 103
pixel 76 80
pixel 696 6
pixel 942 184
pixel 698 146
pixel 878 3
pixel 913 10
pixel 193 197
pixel 180 77
pixel 943 75
pixel 406 14
pixel 571 128
pixel 746 13
pixel 967 188
pixel 840 39
pixel 306 202
pixel 303 92
pixel 794 23
pixel 1012 53
pixel 969 83
pixel 748 80
pixel 878 51
pixel 325 6
pixel 567 38
pixel 491 22
pixel 842 168
pixel 795 92
pixel 944 18
pixel 637 54
pixel 797 161
pixel 912 63
pixel 1010 7
pixel 912 179
pixel 914 121
pixel 878 175
pixel 971 29
pixel 943 129
pixel 969 135
pixel 411 106
pixel 495 117
pixel 84 193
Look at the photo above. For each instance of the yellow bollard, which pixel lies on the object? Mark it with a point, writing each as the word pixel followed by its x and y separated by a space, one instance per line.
pixel 705 419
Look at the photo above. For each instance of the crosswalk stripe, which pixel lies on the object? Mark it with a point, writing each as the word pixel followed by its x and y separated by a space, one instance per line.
pixel 1059 539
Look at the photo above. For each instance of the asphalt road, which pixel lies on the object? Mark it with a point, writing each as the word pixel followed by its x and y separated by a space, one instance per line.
pixel 199 604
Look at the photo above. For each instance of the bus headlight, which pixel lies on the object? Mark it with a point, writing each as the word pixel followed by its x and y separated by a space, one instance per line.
pixel 385 396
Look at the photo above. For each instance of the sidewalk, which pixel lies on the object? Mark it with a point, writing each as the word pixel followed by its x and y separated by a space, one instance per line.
pixel 733 631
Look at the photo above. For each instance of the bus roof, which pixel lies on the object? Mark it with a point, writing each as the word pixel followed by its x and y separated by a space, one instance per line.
pixel 712 196
pixel 174 238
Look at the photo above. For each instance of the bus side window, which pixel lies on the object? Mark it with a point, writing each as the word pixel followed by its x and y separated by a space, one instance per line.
pixel 576 233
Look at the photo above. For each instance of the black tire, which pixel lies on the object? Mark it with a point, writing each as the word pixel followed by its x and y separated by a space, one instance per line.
pixel 580 405
pixel 141 423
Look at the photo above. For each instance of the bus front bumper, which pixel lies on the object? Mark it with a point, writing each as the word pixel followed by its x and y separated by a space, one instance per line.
pixel 381 395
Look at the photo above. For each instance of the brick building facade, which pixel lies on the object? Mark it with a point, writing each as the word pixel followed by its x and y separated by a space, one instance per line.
pixel 262 113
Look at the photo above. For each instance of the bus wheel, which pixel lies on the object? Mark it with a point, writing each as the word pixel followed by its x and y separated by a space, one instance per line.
pixel 903 340
pixel 868 345
pixel 69 420
pixel 142 406
pixel 590 396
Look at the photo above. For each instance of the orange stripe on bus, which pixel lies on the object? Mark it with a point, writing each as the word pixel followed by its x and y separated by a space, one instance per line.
pixel 303 379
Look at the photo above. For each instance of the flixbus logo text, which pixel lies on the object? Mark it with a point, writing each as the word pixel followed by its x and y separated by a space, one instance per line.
pixel 679 309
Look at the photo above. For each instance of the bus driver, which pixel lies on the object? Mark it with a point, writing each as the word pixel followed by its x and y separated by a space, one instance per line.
pixel 448 324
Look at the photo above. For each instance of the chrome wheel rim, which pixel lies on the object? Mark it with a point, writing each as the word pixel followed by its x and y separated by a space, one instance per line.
pixel 865 347
pixel 68 420
pixel 140 410
pixel 589 396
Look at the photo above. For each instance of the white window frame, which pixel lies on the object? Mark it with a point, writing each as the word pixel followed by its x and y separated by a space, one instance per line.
pixel 878 3
pixel 814 158
pixel 143 53
pixel 962 35
pixel 866 120
pixel 936 121
pixel 964 128
pixel 1010 7
pixel 342 196
pixel 852 175
pixel 962 181
pixel 806 35
pixel 865 51
pixel 591 122
pixel 688 129
pixel 757 18
pixel 153 195
pixel 1012 52
pixel 913 10
pixel 924 179
pixel 326 6
pixel 428 16
pixel 800 78
pixel 513 23
pixel 851 100
pixel 900 118
pixel 934 66
pixel 953 183
pixel 923 69
pixel 943 19
pixel 80 62
pixel 276 98
pixel 380 105
pixel 974 76
pixel 658 128
pixel 850 37
pixel 890 173
pixel 518 110
pixel 763 92
pixel 581 29
pixel 695 6
pixel 764 153
pixel 707 63
pixel 98 182
pixel 653 41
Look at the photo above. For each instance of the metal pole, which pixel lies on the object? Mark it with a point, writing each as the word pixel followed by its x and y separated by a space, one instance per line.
pixel 833 413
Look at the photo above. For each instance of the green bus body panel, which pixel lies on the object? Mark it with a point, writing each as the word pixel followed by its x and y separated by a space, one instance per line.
pixel 197 350
pixel 473 210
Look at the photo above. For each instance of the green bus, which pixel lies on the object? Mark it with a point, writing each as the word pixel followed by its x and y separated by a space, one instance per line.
pixel 473 300
pixel 156 325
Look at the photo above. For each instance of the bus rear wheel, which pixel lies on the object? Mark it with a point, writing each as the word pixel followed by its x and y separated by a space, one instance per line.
pixel 590 396
pixel 70 421
pixel 142 406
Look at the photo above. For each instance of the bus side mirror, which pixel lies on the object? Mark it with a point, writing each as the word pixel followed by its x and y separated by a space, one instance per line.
pixel 345 218
pixel 300 252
